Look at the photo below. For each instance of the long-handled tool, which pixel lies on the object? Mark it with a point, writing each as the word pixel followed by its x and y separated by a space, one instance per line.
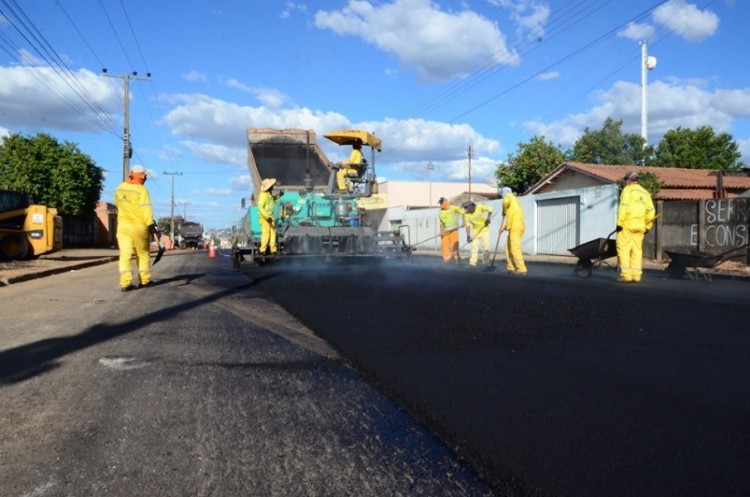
pixel 425 240
pixel 491 267
pixel 159 254
pixel 157 234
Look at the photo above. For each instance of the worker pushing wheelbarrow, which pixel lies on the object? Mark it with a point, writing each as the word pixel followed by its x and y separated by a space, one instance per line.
pixel 593 254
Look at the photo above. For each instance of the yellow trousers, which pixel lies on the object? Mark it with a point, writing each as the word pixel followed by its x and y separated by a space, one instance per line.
pixel 341 175
pixel 483 240
pixel 133 238
pixel 630 254
pixel 449 246
pixel 267 236
pixel 513 256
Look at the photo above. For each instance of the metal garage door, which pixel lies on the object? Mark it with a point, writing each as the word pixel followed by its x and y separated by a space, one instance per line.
pixel 557 225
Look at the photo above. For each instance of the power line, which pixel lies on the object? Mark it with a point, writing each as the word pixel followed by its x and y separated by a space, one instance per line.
pixel 545 69
pixel 38 43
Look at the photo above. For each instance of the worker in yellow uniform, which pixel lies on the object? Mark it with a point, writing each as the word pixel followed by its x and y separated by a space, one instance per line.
pixel 449 218
pixel 266 203
pixel 135 224
pixel 635 216
pixel 477 219
pixel 346 168
pixel 515 225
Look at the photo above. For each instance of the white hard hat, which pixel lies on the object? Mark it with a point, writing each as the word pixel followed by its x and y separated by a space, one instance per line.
pixel 506 190
pixel 138 169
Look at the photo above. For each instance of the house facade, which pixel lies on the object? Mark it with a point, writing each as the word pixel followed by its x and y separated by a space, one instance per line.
pixel 700 211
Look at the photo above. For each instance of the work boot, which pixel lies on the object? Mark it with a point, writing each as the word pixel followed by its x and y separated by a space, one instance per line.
pixel 127 288
pixel 148 285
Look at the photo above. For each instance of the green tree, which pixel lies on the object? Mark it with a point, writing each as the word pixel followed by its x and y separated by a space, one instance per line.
pixel 700 148
pixel 165 223
pixel 610 145
pixel 58 175
pixel 649 181
pixel 532 162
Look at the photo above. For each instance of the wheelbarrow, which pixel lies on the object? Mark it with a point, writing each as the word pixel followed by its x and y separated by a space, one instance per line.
pixel 593 254
pixel 692 264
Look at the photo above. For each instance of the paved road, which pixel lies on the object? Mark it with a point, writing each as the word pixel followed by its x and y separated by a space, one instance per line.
pixel 198 386
pixel 549 384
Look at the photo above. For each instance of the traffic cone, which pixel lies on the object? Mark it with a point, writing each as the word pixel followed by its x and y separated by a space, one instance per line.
pixel 211 250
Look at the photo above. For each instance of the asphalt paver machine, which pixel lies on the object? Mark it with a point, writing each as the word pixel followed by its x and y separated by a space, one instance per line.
pixel 312 218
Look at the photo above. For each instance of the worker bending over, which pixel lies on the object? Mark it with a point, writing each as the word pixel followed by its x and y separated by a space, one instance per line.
pixel 515 225
pixel 477 219
pixel 635 216
pixel 448 217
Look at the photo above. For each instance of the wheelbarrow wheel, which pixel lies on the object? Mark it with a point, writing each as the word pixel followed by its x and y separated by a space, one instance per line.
pixel 675 271
pixel 583 268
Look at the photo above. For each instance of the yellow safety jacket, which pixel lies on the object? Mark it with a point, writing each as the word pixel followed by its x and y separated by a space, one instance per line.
pixel 478 218
pixel 513 213
pixel 266 203
pixel 636 210
pixel 449 217
pixel 133 204
pixel 356 157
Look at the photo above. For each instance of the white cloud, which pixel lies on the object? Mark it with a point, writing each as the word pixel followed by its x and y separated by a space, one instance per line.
pixel 194 76
pixel 290 7
pixel 670 105
pixel 39 98
pixel 530 16
pixel 212 125
pixel 4 132
pixel 267 96
pixel 242 182
pixel 221 154
pixel 547 76
pixel 224 123
pixel 219 192
pixel 637 32
pixel 437 45
pixel 744 148
pixel 170 153
pixel 686 20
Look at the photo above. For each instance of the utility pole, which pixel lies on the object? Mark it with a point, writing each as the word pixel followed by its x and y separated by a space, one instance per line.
pixel 430 168
pixel 470 157
pixel 171 213
pixel 127 148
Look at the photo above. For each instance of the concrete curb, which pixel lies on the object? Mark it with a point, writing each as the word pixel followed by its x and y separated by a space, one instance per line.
pixel 49 272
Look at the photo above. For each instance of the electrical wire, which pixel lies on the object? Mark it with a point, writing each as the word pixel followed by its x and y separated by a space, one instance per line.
pixel 529 78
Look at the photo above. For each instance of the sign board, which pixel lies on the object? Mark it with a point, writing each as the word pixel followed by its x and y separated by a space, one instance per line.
pixel 377 201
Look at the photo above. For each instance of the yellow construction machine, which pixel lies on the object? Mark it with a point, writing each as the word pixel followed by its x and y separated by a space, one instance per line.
pixel 27 229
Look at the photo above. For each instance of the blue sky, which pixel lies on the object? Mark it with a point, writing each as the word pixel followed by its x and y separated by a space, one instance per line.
pixel 430 78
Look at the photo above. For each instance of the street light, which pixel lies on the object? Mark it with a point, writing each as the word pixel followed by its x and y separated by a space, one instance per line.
pixel 430 168
pixel 647 64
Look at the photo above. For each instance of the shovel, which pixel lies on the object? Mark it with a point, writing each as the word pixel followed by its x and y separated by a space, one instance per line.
pixel 159 254
pixel 491 267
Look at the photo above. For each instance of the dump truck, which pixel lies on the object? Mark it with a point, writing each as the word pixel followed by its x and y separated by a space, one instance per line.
pixel 27 229
pixel 313 219
pixel 191 235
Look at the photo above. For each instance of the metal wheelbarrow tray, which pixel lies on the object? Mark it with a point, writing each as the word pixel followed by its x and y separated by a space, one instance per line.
pixel 680 263
pixel 593 254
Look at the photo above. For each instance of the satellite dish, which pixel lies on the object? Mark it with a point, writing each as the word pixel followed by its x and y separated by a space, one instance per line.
pixel 650 62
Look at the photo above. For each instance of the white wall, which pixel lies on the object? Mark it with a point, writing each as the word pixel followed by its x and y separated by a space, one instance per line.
pixel 598 215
